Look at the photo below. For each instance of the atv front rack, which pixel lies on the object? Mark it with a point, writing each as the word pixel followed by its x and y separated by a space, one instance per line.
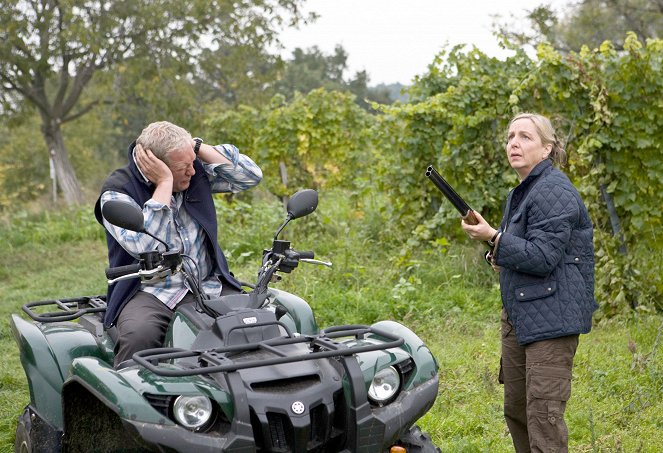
pixel 68 309
pixel 219 360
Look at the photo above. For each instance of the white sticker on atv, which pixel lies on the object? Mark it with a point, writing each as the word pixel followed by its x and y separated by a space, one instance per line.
pixel 251 320
pixel 298 407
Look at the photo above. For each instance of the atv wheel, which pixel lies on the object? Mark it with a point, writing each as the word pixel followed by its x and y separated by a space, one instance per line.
pixel 417 441
pixel 23 443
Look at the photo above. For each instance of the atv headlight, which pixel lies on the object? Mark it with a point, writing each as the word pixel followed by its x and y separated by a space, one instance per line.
pixel 192 412
pixel 384 386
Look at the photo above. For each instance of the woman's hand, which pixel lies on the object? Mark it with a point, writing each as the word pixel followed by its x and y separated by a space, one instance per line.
pixel 482 231
pixel 490 258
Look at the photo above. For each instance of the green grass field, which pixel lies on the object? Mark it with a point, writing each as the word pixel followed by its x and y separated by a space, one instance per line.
pixel 448 298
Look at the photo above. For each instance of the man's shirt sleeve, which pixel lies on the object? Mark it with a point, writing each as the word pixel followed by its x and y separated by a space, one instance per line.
pixel 157 217
pixel 238 175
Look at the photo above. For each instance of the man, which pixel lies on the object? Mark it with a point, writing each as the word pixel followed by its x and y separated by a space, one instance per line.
pixel 171 177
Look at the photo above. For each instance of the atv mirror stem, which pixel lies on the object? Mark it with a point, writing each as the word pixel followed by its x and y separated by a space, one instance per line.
pixel 127 216
pixel 287 219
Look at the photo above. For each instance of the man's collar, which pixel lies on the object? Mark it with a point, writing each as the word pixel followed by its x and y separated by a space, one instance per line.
pixel 133 156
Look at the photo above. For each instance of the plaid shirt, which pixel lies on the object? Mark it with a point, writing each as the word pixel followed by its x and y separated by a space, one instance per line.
pixel 174 225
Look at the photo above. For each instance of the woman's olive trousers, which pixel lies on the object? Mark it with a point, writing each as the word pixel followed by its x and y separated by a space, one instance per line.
pixel 537 385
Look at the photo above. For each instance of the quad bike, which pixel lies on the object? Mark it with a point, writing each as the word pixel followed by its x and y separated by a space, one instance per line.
pixel 248 372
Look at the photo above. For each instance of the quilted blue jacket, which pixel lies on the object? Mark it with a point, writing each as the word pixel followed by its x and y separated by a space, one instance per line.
pixel 546 257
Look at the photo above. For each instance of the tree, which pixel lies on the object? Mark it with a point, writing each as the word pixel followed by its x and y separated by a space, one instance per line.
pixel 590 23
pixel 311 69
pixel 51 50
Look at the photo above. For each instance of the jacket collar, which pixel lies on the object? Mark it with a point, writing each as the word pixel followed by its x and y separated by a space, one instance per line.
pixel 537 171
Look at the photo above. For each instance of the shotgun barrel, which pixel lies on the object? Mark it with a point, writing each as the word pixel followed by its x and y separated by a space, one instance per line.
pixel 465 211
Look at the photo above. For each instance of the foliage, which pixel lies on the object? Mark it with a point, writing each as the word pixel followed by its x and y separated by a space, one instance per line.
pixel 321 138
pixel 24 160
pixel 588 22
pixel 50 52
pixel 456 123
pixel 601 103
pixel 21 179
pixel 616 135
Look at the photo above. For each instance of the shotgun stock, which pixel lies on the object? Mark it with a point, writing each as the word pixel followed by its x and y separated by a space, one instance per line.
pixel 465 211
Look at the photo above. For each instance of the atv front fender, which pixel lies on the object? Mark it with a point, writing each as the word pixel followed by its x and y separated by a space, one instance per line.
pixel 299 315
pixel 104 406
pixel 47 351
pixel 426 365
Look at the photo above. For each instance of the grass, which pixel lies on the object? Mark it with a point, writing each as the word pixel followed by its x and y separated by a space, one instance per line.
pixel 449 298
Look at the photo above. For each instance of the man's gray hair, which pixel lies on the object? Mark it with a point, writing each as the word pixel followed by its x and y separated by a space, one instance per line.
pixel 163 137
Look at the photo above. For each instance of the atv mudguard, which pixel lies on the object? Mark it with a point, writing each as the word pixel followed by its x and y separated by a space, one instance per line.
pixel 47 351
pixel 426 365
pixel 102 405
pixel 299 316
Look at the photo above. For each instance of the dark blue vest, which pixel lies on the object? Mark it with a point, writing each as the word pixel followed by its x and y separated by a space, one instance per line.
pixel 197 201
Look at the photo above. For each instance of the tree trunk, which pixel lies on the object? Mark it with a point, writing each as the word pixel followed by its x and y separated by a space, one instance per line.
pixel 64 172
pixel 615 224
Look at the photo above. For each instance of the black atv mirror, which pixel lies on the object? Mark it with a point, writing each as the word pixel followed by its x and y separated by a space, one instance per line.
pixel 127 216
pixel 123 215
pixel 302 203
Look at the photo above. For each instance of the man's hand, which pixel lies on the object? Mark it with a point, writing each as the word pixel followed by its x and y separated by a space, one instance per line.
pixel 152 167
pixel 157 172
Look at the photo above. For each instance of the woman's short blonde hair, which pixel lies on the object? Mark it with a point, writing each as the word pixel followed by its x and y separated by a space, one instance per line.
pixel 547 134
pixel 163 137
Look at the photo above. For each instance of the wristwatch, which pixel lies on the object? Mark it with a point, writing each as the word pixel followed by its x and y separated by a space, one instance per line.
pixel 196 148
pixel 492 240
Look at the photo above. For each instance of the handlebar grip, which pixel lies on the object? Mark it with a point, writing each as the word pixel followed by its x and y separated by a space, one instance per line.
pixel 308 255
pixel 119 271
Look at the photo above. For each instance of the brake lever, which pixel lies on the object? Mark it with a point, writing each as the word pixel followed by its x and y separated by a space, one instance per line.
pixel 312 261
pixel 158 273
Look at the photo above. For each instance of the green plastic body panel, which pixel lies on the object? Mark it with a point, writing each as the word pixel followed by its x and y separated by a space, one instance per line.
pixel 47 351
pixel 300 315
pixel 426 365
pixel 299 318
pixel 122 390
pixel 181 332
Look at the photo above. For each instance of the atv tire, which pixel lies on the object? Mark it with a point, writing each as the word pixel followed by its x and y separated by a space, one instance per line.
pixel 417 441
pixel 23 442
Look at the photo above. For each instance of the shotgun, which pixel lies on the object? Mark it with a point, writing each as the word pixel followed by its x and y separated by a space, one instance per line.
pixel 466 212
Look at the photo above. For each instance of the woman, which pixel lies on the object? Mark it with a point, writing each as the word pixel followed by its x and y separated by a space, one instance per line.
pixel 543 251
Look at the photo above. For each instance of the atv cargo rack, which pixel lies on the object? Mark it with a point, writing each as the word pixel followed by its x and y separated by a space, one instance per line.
pixel 220 360
pixel 68 309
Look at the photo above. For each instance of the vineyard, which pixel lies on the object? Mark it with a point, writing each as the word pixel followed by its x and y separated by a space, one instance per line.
pixel 396 244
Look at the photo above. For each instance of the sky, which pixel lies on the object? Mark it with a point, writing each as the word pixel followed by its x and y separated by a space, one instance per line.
pixel 394 40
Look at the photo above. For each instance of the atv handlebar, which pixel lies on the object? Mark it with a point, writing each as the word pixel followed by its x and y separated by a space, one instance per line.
pixel 114 272
pixel 307 255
